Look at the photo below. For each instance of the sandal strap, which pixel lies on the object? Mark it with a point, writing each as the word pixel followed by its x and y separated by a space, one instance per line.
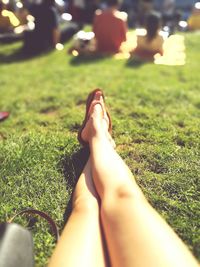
pixel 95 102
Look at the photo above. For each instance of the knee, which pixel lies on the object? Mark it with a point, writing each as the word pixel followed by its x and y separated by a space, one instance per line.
pixel 119 199
pixel 122 192
pixel 85 204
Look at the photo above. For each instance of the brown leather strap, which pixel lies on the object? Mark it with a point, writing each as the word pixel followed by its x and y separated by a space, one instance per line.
pixel 43 215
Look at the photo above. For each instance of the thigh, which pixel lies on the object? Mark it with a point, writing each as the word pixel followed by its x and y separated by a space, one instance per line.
pixel 137 236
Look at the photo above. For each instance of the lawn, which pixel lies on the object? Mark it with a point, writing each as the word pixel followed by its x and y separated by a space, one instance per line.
pixel 156 125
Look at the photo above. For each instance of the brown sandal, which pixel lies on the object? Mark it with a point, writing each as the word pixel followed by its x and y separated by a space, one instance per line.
pixel 88 106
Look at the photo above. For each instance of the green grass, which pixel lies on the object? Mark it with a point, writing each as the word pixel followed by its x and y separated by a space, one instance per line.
pixel 156 119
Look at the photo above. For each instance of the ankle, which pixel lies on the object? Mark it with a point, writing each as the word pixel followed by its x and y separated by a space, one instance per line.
pixel 100 138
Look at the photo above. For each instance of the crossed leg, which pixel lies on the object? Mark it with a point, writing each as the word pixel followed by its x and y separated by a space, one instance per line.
pixel 136 235
pixel 81 242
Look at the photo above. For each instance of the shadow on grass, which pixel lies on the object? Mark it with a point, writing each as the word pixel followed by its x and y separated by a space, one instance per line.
pixel 12 54
pixel 19 55
pixel 135 63
pixel 86 59
pixel 72 168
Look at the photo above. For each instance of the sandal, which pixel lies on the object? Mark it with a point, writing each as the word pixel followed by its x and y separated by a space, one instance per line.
pixel 89 101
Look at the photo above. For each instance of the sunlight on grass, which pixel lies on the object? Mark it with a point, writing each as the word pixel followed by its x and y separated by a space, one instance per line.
pixel 155 111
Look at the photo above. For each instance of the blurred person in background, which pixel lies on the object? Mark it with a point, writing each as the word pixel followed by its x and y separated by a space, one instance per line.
pixel 21 13
pixel 110 28
pixel 150 41
pixel 144 7
pixel 168 10
pixel 91 7
pixel 8 20
pixel 194 19
pixel 46 33
pixel 131 8
pixel 171 16
pixel 76 9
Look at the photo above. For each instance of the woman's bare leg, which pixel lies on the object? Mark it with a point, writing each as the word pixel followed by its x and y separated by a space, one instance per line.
pixel 81 241
pixel 136 234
